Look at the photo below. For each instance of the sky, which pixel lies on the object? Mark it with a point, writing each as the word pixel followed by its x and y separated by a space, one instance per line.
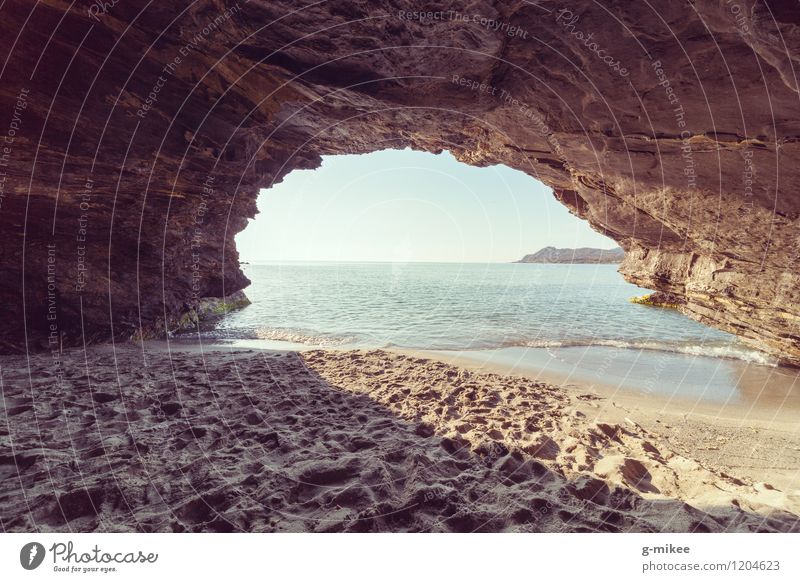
pixel 408 206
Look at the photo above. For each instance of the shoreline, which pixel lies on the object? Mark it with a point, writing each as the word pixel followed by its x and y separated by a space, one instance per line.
pixel 162 437
pixel 480 360
pixel 729 383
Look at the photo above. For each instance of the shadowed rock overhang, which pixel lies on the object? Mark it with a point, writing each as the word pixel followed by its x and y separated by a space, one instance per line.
pixel 136 137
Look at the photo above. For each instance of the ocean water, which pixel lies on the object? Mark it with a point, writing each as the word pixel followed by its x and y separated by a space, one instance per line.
pixel 436 306
pixel 575 321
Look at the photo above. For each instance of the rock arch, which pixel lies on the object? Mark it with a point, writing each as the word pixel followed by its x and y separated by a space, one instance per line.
pixel 136 137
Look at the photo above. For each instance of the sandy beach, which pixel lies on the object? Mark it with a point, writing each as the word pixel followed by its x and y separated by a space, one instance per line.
pixel 148 438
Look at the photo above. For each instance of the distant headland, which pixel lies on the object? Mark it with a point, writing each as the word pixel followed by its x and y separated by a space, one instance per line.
pixel 581 255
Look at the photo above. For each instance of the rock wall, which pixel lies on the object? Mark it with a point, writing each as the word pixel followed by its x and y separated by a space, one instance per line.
pixel 136 136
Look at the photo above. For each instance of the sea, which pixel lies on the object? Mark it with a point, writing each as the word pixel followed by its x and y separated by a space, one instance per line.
pixel 568 322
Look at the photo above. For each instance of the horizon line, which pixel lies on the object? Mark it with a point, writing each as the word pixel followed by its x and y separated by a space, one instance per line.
pixel 384 261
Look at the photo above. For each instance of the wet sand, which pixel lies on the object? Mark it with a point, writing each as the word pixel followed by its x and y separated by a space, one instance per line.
pixel 187 439
pixel 689 379
pixel 752 432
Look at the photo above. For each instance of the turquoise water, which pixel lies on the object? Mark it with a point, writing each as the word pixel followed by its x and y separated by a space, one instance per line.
pixel 563 322
pixel 462 307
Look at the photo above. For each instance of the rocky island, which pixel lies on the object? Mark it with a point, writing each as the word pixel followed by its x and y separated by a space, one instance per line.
pixel 582 255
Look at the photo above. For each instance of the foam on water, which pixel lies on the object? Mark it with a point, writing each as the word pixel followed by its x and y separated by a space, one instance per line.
pixel 707 349
pixel 464 307
pixel 573 322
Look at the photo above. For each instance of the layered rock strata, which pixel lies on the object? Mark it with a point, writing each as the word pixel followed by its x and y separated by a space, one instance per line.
pixel 136 138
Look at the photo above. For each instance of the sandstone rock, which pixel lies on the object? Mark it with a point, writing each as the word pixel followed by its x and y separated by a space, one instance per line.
pixel 78 503
pixel 136 140
pixel 211 308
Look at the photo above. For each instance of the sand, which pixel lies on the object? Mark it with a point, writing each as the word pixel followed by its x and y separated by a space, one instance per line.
pixel 145 439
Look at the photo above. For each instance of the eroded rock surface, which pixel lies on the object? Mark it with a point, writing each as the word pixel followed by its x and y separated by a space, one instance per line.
pixel 137 137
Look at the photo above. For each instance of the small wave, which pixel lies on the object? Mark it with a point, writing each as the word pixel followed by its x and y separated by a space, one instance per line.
pixel 709 349
pixel 300 337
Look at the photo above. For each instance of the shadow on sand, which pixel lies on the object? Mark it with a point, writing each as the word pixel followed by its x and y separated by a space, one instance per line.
pixel 258 442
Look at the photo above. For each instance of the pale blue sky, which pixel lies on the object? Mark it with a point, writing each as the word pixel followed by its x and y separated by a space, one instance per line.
pixel 402 205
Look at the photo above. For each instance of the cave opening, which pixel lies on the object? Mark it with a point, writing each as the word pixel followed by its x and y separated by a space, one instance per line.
pixel 407 206
pixel 419 250
pixel 402 244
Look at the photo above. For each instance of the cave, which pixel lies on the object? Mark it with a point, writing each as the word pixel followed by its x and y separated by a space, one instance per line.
pixel 136 139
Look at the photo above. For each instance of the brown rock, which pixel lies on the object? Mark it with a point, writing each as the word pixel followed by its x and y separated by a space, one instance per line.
pixel 79 503
pixel 133 159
